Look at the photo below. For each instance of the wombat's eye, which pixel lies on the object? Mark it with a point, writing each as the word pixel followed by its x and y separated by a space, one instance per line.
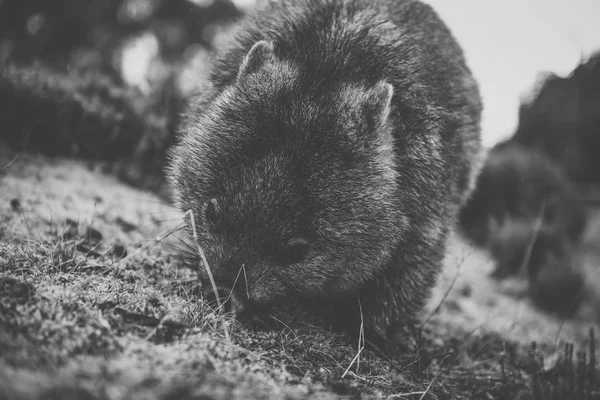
pixel 295 252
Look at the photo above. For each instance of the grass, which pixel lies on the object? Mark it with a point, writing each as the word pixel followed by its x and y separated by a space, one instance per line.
pixel 78 320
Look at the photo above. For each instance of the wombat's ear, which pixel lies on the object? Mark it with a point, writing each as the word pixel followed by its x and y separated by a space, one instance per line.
pixel 378 104
pixel 260 54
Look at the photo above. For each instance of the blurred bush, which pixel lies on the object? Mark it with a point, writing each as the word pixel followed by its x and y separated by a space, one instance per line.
pixel 103 79
pixel 528 209
pixel 563 121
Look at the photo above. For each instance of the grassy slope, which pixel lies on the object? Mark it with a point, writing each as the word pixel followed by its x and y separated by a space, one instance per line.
pixel 77 320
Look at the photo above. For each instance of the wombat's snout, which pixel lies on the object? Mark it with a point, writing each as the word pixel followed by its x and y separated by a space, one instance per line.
pixel 230 302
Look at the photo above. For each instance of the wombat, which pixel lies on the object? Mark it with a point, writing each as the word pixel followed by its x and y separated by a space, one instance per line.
pixel 327 158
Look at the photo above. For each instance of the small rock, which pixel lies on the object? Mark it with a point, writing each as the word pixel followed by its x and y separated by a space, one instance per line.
pixel 70 233
pixel 126 226
pixel 453 306
pixel 466 290
pixel 71 223
pixel 15 204
pixel 93 235
pixel 89 252
pixel 119 250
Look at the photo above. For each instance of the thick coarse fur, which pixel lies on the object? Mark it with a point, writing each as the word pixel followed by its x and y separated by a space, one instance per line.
pixel 328 157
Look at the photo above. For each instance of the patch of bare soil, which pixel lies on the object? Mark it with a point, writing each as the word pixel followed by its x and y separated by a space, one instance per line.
pixel 98 301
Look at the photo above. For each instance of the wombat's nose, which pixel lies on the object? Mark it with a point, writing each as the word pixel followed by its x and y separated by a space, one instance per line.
pixel 226 298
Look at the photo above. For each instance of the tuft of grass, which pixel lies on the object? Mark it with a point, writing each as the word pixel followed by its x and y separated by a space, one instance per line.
pixel 571 375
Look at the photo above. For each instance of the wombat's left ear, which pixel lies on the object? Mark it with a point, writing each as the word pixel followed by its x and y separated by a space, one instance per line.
pixel 260 54
pixel 378 104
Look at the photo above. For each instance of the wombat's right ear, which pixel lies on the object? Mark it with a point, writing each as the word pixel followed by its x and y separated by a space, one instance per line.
pixel 260 54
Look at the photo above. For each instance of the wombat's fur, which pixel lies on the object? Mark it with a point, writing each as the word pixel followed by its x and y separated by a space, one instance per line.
pixel 328 157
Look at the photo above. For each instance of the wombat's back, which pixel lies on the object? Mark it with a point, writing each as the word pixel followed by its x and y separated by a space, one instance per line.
pixel 402 42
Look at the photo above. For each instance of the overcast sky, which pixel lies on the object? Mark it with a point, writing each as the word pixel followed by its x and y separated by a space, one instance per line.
pixel 509 42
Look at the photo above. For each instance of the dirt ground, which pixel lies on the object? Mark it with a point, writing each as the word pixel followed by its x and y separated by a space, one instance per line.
pixel 98 301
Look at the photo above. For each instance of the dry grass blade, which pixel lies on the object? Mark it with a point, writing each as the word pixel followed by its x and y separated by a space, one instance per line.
pixel 208 270
pixel 233 286
pixel 11 161
pixel 574 377
pixel 532 240
pixel 442 301
pixel 361 343
pixel 152 243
